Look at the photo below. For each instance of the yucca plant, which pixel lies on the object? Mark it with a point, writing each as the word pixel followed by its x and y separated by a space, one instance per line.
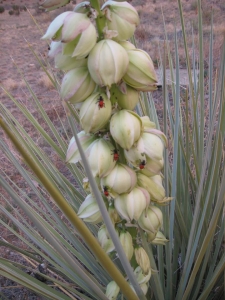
pixel 63 255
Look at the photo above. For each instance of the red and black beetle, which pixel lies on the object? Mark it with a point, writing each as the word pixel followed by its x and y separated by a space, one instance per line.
pixel 142 164
pixel 115 154
pixel 100 102
pixel 106 192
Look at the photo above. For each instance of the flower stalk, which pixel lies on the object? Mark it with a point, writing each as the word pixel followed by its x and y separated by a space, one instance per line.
pixel 126 154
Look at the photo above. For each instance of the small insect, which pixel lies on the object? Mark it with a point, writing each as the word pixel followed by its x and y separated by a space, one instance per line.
pixel 106 192
pixel 142 164
pixel 100 102
pixel 115 154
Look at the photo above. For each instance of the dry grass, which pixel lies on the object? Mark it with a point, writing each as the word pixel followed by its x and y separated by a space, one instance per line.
pixel 44 81
pixel 10 84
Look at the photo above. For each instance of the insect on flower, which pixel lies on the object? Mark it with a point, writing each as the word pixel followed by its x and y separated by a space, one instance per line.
pixel 115 154
pixel 106 192
pixel 100 102
pixel 142 164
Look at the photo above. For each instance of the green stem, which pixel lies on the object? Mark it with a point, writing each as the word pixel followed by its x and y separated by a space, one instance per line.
pixel 100 20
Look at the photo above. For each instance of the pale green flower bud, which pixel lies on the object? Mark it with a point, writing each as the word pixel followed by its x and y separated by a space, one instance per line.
pixel 82 7
pixel 126 100
pixel 121 179
pixel 141 277
pixel 140 73
pixel 105 240
pixel 152 167
pixel 153 185
pixel 125 128
pixel 143 286
pixel 64 62
pixel 122 17
pixel 142 259
pixel 86 185
pixel 89 211
pixel 127 244
pixel 77 85
pixel 147 124
pixel 95 112
pixel 153 144
pixel 112 290
pixel 160 239
pixel 75 31
pixel 114 216
pixel 131 206
pixel 136 154
pixel 127 45
pixel 81 46
pixel 151 220
pixel 147 153
pixel 73 154
pixel 151 236
pixel 55 29
pixel 107 62
pixel 99 155
pixel 53 4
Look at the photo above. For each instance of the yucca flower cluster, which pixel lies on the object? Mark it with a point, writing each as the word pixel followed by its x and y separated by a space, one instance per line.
pixel 104 76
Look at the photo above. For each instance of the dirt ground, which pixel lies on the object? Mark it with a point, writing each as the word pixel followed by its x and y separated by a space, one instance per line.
pixel 18 33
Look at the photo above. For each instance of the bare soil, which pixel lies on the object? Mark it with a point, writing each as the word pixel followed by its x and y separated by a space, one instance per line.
pixel 19 33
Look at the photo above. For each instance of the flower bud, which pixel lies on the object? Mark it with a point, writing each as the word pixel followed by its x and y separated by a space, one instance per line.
pixel 125 128
pixel 131 206
pixel 64 62
pixel 95 112
pixel 142 259
pixel 160 239
pixel 81 46
pixel 77 85
pixel 127 244
pixel 127 100
pixel 141 277
pixel 153 185
pixel 143 286
pixel 112 290
pixel 136 154
pixel 122 17
pixel 153 144
pixel 75 31
pixel 99 155
pixel 89 210
pixel 127 45
pixel 151 236
pixel 54 30
pixel 105 240
pixel 151 220
pixel 107 62
pixel 152 167
pixel 82 7
pixel 114 216
pixel 121 179
pixel 86 185
pixel 140 73
pixel 146 123
pixel 73 154
pixel 53 4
